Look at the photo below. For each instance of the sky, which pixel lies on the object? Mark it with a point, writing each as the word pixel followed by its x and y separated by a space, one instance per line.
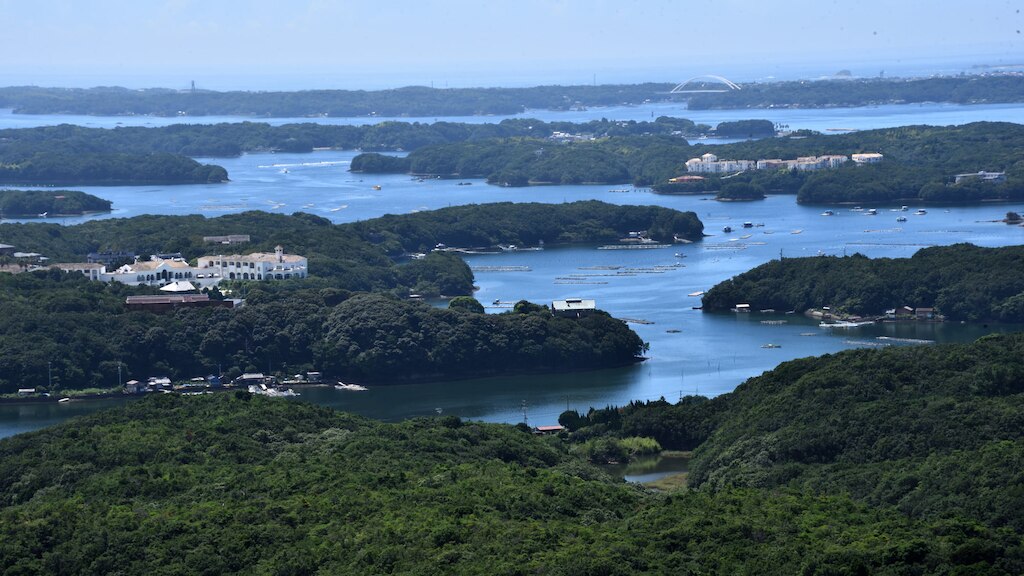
pixel 372 44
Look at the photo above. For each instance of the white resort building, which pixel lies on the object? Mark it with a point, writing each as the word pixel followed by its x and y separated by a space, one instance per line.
pixel 710 164
pixel 256 266
pixel 209 271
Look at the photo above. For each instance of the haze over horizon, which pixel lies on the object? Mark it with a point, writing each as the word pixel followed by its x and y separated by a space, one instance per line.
pixel 263 45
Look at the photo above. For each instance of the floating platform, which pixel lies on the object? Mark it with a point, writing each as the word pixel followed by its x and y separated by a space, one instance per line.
pixel 633 246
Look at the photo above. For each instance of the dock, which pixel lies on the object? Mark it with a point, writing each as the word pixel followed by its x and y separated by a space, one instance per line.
pixel 500 268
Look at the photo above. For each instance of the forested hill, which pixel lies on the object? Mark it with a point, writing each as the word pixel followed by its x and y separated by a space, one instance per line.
pixel 920 163
pixel 848 92
pixel 414 101
pixel 962 282
pixel 15 203
pixel 935 432
pixel 408 101
pixel 233 484
pixel 316 323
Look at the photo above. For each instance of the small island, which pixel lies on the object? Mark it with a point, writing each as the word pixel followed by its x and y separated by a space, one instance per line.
pixel 961 282
pixel 49 203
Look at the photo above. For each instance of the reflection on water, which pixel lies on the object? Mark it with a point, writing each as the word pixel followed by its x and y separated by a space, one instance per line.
pixel 650 468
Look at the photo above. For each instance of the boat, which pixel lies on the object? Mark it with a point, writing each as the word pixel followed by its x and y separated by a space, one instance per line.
pixel 680 255
pixel 872 212
pixel 748 224
pixel 62 400
pixel 903 208
pixel 828 213
pixel 901 219
pixel 697 293
pixel 272 392
pixel 856 209
pixel 797 231
pixel 350 387
pixel 920 212
pixel 376 186
pixel 727 229
pixel 771 345
pixel 508 247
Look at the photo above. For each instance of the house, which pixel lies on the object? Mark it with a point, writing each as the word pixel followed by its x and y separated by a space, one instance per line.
pixel 924 313
pixel 548 429
pixel 92 271
pixel 26 391
pixel 866 158
pixel 166 302
pixel 229 239
pixel 111 256
pixel 134 387
pixel 573 307
pixel 6 249
pixel 253 379
pixel 993 177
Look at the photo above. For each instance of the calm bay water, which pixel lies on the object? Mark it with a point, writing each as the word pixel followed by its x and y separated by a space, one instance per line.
pixel 690 351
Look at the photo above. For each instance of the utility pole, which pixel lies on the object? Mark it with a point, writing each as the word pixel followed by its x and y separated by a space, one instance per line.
pixel 526 418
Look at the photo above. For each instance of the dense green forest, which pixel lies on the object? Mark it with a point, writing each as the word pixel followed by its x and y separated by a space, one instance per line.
pixel 407 101
pixel 920 163
pixel 237 484
pixel 319 323
pixel 61 166
pixel 935 432
pixel 15 203
pixel 962 282
pixel 335 250
pixel 232 139
pixel 526 224
pixel 65 329
pixel 422 101
pixel 862 92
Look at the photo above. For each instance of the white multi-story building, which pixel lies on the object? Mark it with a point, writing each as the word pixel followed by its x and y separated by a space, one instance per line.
pixel 256 266
pixel 710 164
pixel 209 271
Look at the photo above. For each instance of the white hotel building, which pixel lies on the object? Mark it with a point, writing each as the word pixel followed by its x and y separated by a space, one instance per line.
pixel 209 270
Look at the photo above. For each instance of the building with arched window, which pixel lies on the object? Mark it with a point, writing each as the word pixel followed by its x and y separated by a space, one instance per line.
pixel 209 271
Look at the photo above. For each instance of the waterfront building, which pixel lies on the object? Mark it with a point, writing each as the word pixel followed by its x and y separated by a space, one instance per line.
pixel 573 307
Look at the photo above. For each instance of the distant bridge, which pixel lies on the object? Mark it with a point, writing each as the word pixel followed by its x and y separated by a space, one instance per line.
pixel 707 83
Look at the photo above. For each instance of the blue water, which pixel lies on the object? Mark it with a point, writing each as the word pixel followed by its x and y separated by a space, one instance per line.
pixel 710 354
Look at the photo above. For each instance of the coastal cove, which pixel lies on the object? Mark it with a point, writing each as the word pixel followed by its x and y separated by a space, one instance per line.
pixel 690 351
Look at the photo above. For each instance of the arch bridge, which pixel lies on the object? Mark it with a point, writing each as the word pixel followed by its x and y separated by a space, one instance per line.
pixel 700 85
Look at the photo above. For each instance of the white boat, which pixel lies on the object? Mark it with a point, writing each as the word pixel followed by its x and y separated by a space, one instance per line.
pixel 697 293
pixel 264 390
pixel 350 387
pixel 828 213
pixel 901 219
pixel 920 212
pixel 872 212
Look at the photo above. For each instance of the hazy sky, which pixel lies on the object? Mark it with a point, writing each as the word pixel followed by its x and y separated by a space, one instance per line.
pixel 375 43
